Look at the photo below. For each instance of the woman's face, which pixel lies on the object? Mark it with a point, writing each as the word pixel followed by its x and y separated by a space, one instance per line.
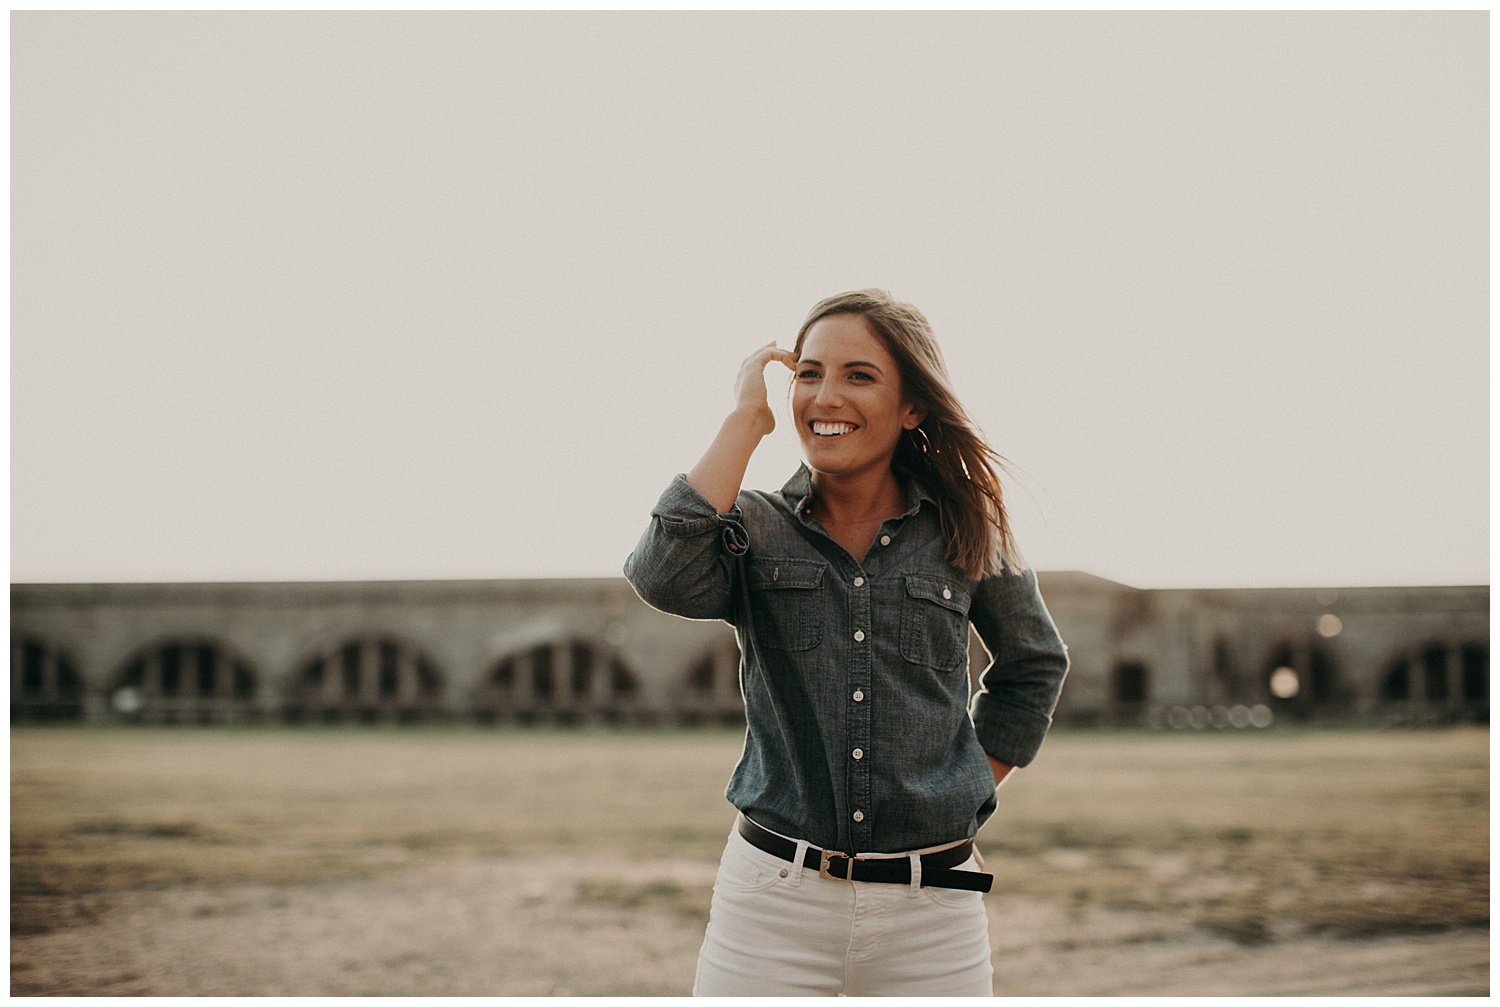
pixel 846 398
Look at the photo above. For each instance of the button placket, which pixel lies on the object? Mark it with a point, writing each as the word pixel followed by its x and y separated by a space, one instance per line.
pixel 858 727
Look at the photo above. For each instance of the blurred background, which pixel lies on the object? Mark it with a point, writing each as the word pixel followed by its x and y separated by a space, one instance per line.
pixel 350 352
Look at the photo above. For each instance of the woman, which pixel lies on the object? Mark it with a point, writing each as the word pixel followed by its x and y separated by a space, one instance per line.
pixel 866 770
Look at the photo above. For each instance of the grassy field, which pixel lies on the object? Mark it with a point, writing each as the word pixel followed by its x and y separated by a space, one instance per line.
pixel 1254 836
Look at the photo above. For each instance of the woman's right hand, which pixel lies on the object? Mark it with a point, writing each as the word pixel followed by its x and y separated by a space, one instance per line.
pixel 751 399
pixel 720 471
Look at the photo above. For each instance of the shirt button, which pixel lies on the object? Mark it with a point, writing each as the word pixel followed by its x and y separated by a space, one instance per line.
pixel 859 696
pixel 859 635
pixel 947 593
pixel 885 540
pixel 859 582
pixel 859 816
pixel 859 753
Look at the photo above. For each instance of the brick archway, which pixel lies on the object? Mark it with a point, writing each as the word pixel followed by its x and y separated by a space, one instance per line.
pixel 185 680
pixel 366 679
pixel 44 682
pixel 708 690
pixel 567 681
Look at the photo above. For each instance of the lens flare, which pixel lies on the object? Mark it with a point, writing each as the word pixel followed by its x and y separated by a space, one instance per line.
pixel 1284 683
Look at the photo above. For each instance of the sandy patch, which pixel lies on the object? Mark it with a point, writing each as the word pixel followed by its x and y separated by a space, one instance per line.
pixel 513 927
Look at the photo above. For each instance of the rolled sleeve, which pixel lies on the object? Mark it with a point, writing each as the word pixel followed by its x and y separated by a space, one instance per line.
pixel 1018 691
pixel 684 562
pixel 685 513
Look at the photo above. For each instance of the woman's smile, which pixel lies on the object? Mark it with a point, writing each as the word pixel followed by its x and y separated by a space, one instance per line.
pixel 824 428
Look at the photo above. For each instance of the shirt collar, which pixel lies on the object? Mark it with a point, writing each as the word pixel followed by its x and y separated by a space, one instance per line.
pixel 798 492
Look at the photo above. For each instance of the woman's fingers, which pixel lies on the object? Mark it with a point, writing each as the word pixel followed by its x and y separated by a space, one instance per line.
pixel 770 352
pixel 766 352
pixel 750 386
pixel 757 361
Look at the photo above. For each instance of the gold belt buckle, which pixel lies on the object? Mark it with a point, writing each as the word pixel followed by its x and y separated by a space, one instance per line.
pixel 823 865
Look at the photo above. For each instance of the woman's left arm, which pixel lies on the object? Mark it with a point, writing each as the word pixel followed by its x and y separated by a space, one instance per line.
pixel 1017 692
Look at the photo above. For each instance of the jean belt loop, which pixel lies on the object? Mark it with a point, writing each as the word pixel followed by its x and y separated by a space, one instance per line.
pixel 916 872
pixel 799 862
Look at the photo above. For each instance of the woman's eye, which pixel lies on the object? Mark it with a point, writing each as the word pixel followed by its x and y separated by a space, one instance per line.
pixel 860 376
pixel 806 375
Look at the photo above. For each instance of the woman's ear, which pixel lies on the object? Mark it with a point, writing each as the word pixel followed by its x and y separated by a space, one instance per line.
pixel 914 417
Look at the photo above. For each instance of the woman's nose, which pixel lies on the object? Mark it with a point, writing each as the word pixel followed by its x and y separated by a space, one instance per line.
pixel 828 394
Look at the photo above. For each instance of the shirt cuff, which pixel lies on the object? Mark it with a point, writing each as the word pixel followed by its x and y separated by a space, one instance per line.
pixel 684 513
pixel 1009 733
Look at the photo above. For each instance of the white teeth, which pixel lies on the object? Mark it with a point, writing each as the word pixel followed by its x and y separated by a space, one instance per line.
pixel 831 429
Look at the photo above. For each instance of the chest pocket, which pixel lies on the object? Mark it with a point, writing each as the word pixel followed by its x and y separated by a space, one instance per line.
pixel 934 623
pixel 786 601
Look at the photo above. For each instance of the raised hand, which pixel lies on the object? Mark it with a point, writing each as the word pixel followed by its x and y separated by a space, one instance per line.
pixel 721 469
pixel 750 396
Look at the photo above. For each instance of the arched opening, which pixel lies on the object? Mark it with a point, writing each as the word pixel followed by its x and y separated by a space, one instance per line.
pixel 709 688
pixel 1322 681
pixel 581 660
pixel 194 681
pixel 570 682
pixel 44 683
pixel 1434 660
pixel 1395 684
pixel 1474 659
pixel 1226 678
pixel 1130 690
pixel 367 680
pixel 541 675
pixel 1131 682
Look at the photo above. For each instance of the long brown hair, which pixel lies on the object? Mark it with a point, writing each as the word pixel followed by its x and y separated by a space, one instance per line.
pixel 946 452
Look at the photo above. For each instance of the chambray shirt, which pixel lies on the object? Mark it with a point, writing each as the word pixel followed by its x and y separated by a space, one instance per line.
pixel 860 735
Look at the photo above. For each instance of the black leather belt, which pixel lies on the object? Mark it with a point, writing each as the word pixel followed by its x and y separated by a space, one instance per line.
pixel 937 868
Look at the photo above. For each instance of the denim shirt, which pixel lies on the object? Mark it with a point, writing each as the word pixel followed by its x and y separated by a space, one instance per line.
pixel 860 734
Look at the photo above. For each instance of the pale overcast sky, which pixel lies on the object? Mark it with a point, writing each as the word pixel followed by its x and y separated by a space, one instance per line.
pixel 375 295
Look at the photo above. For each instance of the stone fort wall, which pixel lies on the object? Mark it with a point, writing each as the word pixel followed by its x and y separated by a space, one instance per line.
pixel 589 651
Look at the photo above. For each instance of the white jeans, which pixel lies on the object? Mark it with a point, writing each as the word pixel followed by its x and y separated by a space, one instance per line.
pixel 777 929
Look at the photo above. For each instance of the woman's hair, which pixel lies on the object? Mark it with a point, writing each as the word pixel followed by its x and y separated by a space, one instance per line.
pixel 946 452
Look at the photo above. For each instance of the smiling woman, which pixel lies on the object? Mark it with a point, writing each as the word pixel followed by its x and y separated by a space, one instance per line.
pixel 866 770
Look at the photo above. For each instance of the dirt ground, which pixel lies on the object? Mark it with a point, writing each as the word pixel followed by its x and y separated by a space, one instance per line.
pixel 518 927
pixel 306 863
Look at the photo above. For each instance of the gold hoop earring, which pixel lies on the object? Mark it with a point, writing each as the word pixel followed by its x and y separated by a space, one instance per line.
pixel 926 446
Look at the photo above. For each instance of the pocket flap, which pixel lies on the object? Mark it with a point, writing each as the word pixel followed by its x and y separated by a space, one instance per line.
pixel 769 574
pixel 939 592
